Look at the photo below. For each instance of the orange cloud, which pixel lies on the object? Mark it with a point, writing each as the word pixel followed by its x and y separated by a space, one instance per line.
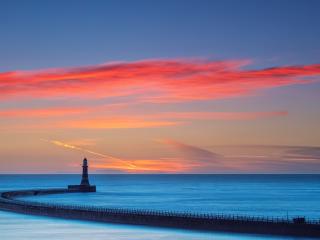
pixel 84 120
pixel 115 119
pixel 152 80
pixel 42 112
pixel 115 122
pixel 163 165
pixel 164 119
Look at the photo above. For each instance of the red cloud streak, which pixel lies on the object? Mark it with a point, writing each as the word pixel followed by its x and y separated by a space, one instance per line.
pixel 152 80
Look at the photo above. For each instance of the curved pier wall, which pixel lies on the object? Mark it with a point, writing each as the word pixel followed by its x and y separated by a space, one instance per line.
pixel 33 192
pixel 155 218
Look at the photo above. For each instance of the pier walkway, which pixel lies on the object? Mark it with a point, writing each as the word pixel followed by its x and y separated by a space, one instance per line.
pixel 191 221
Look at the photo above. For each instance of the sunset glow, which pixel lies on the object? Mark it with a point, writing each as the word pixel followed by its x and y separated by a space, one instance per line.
pixel 206 92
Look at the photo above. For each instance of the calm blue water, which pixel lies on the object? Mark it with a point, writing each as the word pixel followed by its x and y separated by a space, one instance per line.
pixel 268 195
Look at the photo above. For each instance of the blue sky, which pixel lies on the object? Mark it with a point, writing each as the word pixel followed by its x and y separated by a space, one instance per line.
pixel 42 34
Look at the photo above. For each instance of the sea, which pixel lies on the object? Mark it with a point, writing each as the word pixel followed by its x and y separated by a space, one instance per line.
pixel 268 195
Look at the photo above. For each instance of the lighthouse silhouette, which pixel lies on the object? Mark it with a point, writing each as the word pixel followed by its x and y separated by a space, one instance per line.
pixel 84 185
pixel 85 177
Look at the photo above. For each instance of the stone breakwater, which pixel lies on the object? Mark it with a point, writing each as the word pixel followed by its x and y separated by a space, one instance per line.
pixel 203 222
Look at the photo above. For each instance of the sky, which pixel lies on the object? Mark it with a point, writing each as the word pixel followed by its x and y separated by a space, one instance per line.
pixel 160 86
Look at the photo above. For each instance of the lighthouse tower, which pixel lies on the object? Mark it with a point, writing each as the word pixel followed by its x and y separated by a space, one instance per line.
pixel 85 178
pixel 84 185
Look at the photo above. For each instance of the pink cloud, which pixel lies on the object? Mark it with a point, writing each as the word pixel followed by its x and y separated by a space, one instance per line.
pixel 152 80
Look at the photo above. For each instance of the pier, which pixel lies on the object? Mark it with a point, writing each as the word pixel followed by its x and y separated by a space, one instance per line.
pixel 9 201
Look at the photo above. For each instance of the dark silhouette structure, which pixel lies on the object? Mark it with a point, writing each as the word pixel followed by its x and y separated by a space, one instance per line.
pixel 85 177
pixel 84 185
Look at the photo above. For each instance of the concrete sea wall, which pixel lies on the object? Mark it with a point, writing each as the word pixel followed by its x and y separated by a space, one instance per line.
pixel 204 222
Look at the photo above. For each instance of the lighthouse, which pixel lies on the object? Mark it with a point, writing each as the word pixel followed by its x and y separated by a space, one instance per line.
pixel 85 178
pixel 84 185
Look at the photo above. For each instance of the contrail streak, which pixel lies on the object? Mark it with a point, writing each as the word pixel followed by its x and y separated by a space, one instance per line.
pixel 65 145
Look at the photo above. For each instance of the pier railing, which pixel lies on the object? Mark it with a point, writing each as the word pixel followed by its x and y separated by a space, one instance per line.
pixel 180 214
pixel 299 226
